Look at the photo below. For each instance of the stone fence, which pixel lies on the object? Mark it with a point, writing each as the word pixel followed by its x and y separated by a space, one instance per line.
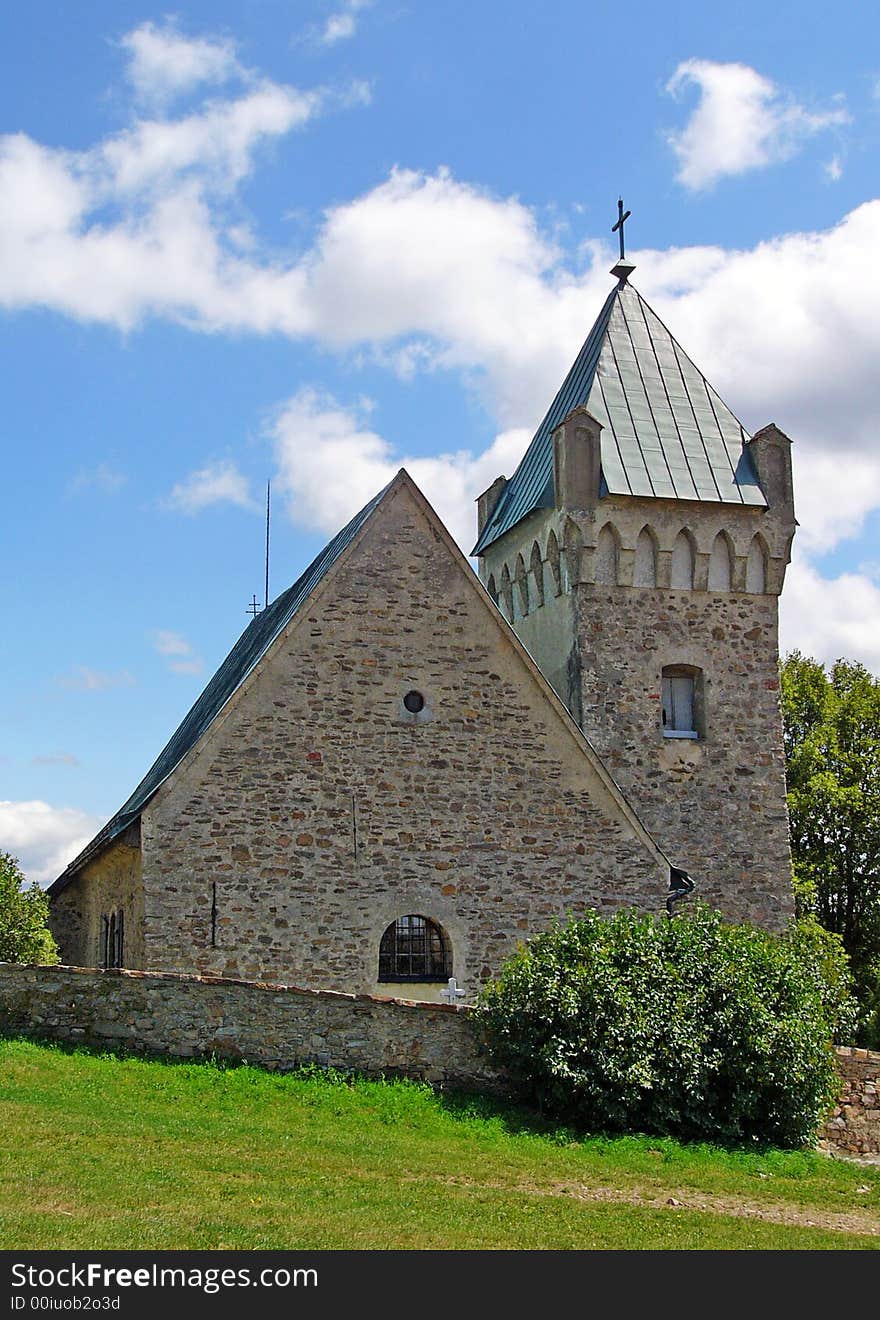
pixel 275 1026
pixel 854 1127
pixel 279 1027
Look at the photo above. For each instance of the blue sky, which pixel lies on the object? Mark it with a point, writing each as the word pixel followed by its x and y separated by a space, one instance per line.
pixel 314 241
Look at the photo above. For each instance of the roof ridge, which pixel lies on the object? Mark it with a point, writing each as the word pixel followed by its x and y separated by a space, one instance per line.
pixel 642 386
pixel 578 379
pixel 246 653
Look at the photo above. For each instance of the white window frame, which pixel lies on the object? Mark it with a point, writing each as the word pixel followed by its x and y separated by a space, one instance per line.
pixel 667 699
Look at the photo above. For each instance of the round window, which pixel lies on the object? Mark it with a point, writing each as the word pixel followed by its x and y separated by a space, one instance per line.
pixel 414 702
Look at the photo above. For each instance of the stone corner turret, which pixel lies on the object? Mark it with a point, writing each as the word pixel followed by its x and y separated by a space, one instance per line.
pixel 577 459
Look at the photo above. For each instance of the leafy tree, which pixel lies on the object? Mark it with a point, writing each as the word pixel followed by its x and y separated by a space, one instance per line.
pixel 694 1027
pixel 831 730
pixel 24 913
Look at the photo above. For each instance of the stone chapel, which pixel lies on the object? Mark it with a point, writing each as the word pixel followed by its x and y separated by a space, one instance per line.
pixel 402 769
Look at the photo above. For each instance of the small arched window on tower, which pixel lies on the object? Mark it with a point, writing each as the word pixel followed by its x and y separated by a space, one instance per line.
pixel 756 567
pixel 606 557
pixel 414 948
pixel 505 596
pixel 536 569
pixel 682 702
pixel 553 561
pixel 645 566
pixel 682 575
pixel 720 564
pixel 521 585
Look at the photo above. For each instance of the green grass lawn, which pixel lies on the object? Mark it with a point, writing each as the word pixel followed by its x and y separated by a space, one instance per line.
pixel 105 1152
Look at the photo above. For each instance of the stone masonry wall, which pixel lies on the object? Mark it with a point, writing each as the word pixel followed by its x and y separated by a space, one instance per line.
pixel 279 1027
pixel 854 1127
pixel 716 804
pixel 274 1026
pixel 318 809
pixel 111 881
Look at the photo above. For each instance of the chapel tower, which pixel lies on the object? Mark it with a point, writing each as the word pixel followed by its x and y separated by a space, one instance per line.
pixel 638 552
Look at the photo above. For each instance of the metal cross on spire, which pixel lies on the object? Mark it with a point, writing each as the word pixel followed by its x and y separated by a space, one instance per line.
pixel 622 217
pixel 623 269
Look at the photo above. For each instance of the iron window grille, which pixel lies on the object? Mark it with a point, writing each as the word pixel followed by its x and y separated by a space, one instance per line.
pixel 113 939
pixel 414 948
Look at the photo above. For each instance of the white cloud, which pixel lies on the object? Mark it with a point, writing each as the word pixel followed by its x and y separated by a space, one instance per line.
pixel 742 122
pixel 785 327
pixel 180 655
pixel 59 758
pixel 343 24
pixel 834 492
pixel 193 666
pixel 171 643
pixel 217 483
pixel 833 169
pixel 830 617
pixel 316 438
pixel 426 272
pixel 217 143
pixel 164 63
pixel 83 679
pixel 44 838
pixel 102 478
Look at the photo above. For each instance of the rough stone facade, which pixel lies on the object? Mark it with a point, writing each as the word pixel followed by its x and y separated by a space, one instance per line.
pixel 275 1026
pixel 316 809
pixel 854 1127
pixel 279 1027
pixel 610 591
pixel 111 882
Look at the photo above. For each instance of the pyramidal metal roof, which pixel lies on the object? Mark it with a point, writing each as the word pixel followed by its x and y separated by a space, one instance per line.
pixel 666 433
pixel 250 648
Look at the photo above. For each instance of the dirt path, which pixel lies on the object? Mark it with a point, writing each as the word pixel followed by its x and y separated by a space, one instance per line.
pixel 849 1221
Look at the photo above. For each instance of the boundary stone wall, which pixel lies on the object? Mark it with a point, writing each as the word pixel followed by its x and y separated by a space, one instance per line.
pixel 275 1026
pixel 280 1027
pixel 854 1127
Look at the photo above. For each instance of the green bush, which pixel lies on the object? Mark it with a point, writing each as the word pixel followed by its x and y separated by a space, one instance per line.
pixel 694 1027
pixel 24 934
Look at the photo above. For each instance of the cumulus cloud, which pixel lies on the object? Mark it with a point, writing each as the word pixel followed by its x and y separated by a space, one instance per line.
pixel 425 272
pixel 44 838
pixel 216 483
pixel 343 24
pixel 216 144
pixel 164 63
pixel 179 653
pixel 742 122
pixel 316 438
pixel 137 224
pixel 830 618
pixel 83 679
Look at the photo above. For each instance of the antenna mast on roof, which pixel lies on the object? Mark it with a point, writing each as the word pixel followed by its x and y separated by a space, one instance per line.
pixel 268 496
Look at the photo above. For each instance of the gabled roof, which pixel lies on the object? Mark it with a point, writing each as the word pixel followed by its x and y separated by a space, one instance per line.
pixel 250 648
pixel 666 432
pixel 266 627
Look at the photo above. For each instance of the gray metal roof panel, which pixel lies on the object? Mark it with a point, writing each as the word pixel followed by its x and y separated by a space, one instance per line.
pixel 666 432
pixel 250 648
pixel 531 486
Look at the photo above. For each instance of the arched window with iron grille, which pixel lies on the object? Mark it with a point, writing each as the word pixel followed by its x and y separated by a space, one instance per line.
pixel 414 948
